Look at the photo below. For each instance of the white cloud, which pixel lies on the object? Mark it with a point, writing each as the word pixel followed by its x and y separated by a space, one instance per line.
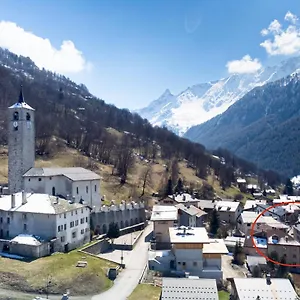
pixel 67 59
pixel 291 17
pixel 282 41
pixel 244 66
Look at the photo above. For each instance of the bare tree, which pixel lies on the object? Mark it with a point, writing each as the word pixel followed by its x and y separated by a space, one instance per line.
pixel 125 162
pixel 147 179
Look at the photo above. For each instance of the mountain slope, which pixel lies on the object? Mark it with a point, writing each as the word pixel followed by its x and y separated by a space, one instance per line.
pixel 69 112
pixel 200 103
pixel 262 127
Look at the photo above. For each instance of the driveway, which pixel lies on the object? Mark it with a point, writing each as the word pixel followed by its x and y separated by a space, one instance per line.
pixel 129 277
pixel 230 271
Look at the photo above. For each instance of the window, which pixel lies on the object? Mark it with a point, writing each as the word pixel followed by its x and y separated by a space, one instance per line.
pixel 25 227
pixel 74 234
pixel 71 213
pixel 86 230
pixel 82 210
pixel 7 233
pixel 58 228
pixel 72 224
pixel 40 179
pixel 77 190
pixel 29 179
pixel 24 217
pixel 87 189
pixel 81 220
pixel 16 116
pixel 53 191
pixel 8 220
pixel 62 239
pixel 86 219
pixel 195 264
pixel 65 216
pixel 95 188
pixel 50 178
pixel 16 127
pixel 1 220
pixel 82 231
pixel 75 212
pixel 183 263
pixel 27 117
pixel 76 223
pixel 179 263
pixel 65 227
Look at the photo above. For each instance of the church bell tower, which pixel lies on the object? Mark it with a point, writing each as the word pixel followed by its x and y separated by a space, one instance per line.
pixel 21 143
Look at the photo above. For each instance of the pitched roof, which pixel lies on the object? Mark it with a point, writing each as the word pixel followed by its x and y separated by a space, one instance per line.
pixel 74 174
pixel 191 210
pixel 250 288
pixel 216 246
pixel 189 288
pixel 38 203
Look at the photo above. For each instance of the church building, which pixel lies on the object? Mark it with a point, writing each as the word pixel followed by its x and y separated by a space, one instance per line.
pixel 76 184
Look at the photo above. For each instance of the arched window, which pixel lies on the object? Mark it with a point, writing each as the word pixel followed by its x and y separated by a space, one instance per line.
pixel 27 117
pixel 16 116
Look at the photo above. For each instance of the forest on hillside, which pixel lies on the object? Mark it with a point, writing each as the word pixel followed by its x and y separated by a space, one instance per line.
pixel 68 111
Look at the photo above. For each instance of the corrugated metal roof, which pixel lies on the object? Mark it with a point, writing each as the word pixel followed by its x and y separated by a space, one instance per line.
pixel 74 174
pixel 189 288
pixel 250 288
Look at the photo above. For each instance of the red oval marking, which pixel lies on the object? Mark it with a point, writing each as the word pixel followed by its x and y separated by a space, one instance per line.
pixel 252 235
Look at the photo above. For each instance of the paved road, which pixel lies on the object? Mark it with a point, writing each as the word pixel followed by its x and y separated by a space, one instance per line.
pixel 123 285
pixel 129 277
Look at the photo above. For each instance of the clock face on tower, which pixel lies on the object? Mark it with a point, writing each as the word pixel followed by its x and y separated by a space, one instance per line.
pixel 15 124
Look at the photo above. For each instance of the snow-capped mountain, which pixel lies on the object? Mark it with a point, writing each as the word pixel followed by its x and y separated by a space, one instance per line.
pixel 201 102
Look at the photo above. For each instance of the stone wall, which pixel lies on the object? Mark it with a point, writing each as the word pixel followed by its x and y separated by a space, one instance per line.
pixel 124 214
pixel 100 247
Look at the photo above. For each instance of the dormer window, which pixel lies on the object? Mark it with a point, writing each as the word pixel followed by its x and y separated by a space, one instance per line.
pixel 28 117
pixel 16 116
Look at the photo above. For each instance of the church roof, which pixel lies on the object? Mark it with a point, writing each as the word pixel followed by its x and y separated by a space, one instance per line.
pixel 21 105
pixel 75 174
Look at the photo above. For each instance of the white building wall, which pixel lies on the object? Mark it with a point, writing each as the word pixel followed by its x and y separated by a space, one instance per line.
pixel 42 225
pixel 212 262
pixel 192 258
pixel 88 190
pixel 80 219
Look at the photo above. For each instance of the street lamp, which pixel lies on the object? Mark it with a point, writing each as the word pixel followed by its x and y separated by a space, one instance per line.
pixel 48 285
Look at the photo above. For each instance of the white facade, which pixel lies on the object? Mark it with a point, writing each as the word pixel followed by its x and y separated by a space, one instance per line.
pixel 54 220
pixel 77 184
pixel 21 143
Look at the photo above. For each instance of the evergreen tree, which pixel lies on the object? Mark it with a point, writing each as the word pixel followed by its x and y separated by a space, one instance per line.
pixel 113 232
pixel 288 189
pixel 238 254
pixel 169 188
pixel 257 273
pixel 282 270
pixel 214 222
pixel 179 186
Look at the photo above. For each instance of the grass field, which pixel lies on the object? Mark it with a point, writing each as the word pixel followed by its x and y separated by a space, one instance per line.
pixel 145 291
pixel 60 269
pixel 223 295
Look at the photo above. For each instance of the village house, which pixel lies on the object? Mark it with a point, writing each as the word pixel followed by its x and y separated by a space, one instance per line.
pixel 190 215
pixel 163 217
pixel 247 218
pixel 192 253
pixel 262 288
pixel 63 225
pixel 228 211
pixel 189 288
pixel 242 184
pixel 178 198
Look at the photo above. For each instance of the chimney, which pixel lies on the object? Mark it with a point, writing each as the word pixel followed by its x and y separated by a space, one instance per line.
pixel 24 200
pixel 268 278
pixel 13 200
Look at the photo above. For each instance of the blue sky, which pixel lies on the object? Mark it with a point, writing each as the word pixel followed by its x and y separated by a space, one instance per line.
pixel 131 51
